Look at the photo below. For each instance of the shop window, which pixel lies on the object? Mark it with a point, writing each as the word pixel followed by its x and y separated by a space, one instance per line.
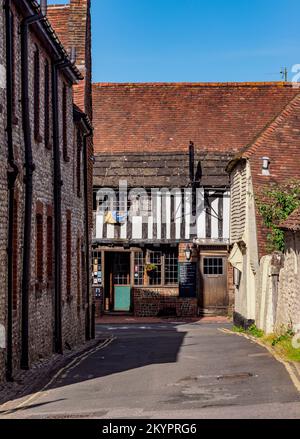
pixel 155 276
pixel 97 268
pixel 171 267
pixel 213 266
pixel 139 264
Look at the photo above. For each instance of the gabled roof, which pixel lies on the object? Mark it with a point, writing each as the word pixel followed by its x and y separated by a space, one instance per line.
pixel 293 222
pixel 165 117
pixel 262 137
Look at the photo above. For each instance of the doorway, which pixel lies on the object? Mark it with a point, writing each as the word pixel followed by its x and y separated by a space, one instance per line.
pixel 117 281
pixel 214 297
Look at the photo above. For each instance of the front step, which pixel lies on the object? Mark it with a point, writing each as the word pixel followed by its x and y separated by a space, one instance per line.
pixel 118 313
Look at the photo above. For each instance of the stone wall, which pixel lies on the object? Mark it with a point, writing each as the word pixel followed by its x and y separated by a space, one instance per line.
pixel 278 288
pixel 288 308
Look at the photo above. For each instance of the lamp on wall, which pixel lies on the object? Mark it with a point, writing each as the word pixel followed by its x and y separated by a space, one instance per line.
pixel 188 253
pixel 265 166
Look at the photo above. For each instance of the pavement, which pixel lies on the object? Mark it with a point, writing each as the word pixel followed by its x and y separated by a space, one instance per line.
pixel 169 369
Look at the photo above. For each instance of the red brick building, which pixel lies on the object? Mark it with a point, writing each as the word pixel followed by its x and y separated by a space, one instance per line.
pixel 142 135
pixel 45 173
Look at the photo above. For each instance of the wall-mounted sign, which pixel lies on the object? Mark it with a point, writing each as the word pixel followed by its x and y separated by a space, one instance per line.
pixel 188 279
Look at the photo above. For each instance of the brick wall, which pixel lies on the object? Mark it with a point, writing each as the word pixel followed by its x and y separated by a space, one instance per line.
pixel 151 302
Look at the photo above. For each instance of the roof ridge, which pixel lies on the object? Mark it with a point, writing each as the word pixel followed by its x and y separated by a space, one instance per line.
pixel 270 127
pixel 58 5
pixel 194 84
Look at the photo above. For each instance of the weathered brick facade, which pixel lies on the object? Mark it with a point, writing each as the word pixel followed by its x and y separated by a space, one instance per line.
pixel 44 49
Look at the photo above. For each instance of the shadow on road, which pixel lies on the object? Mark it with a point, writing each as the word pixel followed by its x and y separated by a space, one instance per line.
pixel 131 349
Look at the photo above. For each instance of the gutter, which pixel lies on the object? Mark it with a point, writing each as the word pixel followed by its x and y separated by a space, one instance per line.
pixel 12 174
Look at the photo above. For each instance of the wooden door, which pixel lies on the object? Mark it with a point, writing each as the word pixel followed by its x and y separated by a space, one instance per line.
pixel 121 281
pixel 213 289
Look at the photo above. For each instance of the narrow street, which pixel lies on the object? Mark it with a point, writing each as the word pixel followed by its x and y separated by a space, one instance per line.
pixel 169 370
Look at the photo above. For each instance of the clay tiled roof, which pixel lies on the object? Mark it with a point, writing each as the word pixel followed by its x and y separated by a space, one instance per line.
pixel 293 222
pixel 279 141
pixel 59 16
pixel 165 117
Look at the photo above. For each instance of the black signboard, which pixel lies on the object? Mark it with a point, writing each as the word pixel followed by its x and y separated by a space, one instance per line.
pixel 187 279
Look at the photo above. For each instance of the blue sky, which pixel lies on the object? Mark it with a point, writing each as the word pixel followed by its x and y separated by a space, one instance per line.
pixel 194 40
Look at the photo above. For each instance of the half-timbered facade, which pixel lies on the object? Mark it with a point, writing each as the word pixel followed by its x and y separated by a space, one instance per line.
pixel 149 211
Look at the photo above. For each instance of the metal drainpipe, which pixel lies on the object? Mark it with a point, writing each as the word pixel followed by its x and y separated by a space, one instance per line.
pixel 11 176
pixel 89 329
pixel 29 169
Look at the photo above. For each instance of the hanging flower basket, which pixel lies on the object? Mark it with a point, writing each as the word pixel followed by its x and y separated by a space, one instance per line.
pixel 150 269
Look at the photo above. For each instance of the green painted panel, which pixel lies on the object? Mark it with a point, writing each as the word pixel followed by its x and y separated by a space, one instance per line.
pixel 122 298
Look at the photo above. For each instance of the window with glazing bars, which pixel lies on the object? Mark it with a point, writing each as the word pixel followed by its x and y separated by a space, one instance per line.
pixel 171 267
pixel 213 266
pixel 139 264
pixel 155 257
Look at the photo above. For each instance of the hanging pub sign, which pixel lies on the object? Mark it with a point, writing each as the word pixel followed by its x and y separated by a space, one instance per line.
pixel 187 279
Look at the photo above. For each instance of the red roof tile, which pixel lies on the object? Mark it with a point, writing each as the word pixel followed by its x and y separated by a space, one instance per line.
pixel 167 116
pixel 293 222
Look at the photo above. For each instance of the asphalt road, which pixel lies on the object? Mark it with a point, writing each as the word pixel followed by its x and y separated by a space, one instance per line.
pixel 170 371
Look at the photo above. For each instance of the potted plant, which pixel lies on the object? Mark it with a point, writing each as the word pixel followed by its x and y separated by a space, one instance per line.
pixel 150 269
